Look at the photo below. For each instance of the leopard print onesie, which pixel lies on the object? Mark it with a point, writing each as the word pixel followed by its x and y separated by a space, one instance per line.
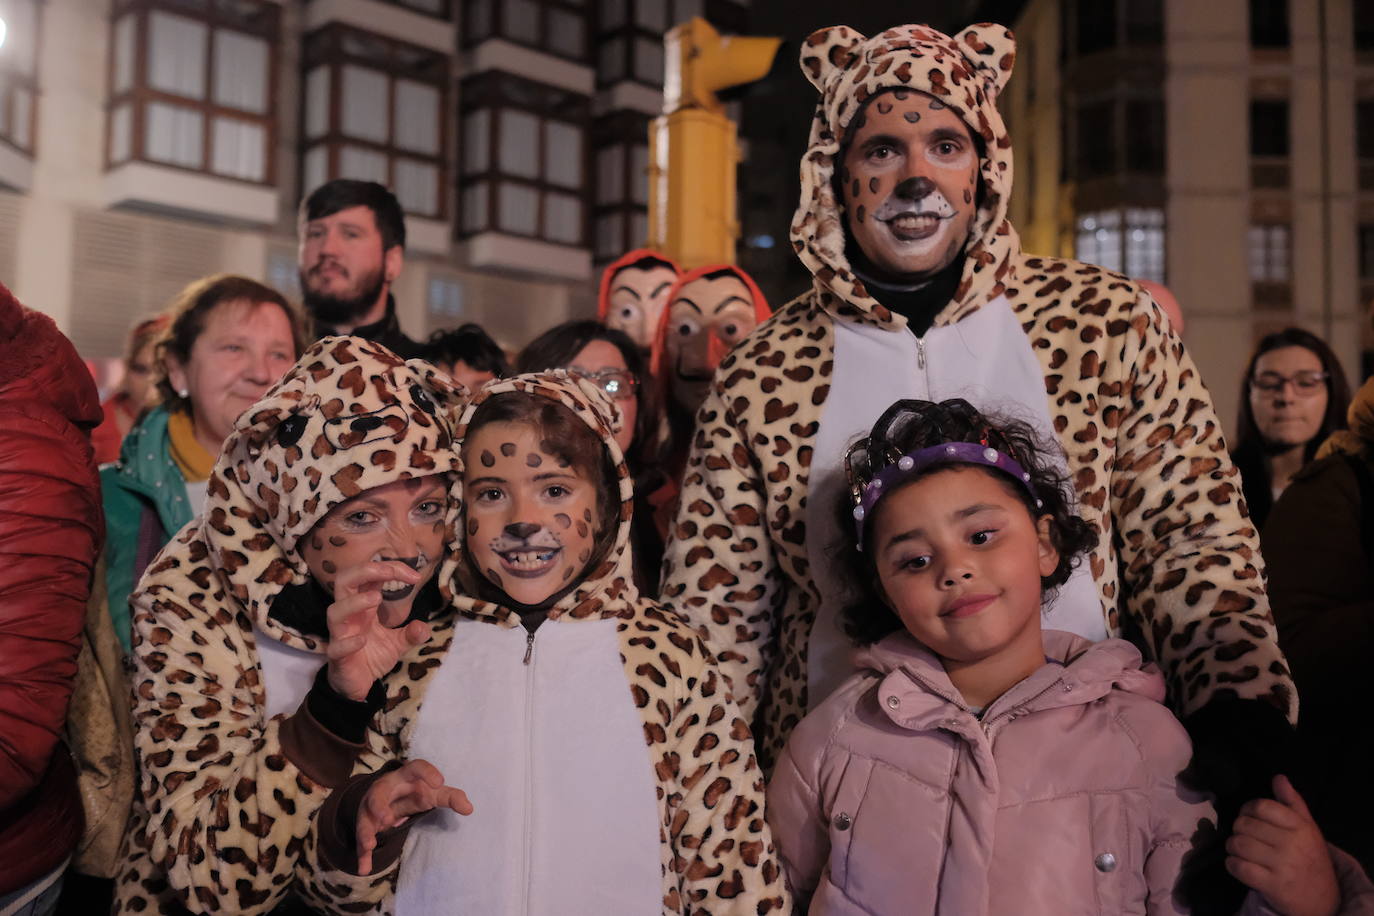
pixel 227 790
pixel 1177 561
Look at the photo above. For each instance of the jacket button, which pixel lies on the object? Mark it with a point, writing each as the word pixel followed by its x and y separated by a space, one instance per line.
pixel 842 821
pixel 1105 862
pixel 893 702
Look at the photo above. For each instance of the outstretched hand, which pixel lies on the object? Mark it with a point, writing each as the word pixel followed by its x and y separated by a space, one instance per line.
pixel 414 788
pixel 1277 849
pixel 363 646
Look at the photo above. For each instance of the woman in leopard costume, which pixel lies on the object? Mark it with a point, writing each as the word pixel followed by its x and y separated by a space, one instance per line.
pixel 245 714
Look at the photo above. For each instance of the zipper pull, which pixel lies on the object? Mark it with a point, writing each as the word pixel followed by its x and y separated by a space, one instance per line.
pixel 920 353
pixel 529 647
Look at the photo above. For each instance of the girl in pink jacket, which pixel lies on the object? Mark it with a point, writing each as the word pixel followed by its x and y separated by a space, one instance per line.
pixel 978 765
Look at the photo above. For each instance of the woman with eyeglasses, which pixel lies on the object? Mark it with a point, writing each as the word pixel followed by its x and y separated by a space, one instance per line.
pixel 1294 394
pixel 613 361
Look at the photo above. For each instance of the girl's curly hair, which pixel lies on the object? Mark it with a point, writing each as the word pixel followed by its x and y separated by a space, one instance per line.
pixel 910 425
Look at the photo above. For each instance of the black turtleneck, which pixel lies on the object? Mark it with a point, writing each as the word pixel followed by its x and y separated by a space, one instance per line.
pixel 921 304
pixel 385 331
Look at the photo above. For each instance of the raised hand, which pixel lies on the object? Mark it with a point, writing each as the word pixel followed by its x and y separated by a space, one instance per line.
pixel 1277 849
pixel 414 788
pixel 362 644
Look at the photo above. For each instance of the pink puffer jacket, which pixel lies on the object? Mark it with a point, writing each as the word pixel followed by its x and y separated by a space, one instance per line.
pixel 892 797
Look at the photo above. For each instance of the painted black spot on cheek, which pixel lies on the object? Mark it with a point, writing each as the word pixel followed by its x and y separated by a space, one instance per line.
pixel 533 460
pixel 472 528
pixel 567 574
pixel 872 185
pixel 861 213
pixel 901 94
pixel 968 196
pixel 584 556
pixel 337 541
pixel 488 459
pixel 507 448
pixel 912 116
pixel 884 107
pixel 329 567
pixel 936 105
pixel 854 189
pixel 316 543
pixel 582 529
pixel 587 515
pixel 564 521
pixel 493 577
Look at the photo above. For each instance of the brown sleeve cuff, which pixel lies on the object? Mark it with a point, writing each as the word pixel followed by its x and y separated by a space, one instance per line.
pixel 337 824
pixel 319 753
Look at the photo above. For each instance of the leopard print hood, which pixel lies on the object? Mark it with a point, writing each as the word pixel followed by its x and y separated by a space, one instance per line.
pixel 349 416
pixel 966 73
pixel 606 591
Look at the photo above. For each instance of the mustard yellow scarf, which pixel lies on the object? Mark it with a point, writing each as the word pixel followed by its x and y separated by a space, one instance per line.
pixel 191 458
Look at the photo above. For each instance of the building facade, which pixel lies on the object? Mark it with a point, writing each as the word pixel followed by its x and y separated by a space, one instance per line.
pixel 144 143
pixel 1225 149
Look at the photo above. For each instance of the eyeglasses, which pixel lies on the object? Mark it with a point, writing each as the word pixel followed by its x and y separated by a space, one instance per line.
pixel 618 383
pixel 1306 383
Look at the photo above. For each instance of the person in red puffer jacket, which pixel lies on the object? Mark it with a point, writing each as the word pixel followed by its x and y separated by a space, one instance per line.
pixel 51 529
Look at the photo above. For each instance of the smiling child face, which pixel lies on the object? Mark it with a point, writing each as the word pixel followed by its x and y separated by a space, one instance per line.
pixel 530 521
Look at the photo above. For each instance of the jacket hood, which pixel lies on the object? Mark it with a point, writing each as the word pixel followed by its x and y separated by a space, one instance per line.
pixel 603 295
pixel 762 312
pixel 606 591
pixel 349 416
pixel 966 73
pixel 40 363
pixel 1085 670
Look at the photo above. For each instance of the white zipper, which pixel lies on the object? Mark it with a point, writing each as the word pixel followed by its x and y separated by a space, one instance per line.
pixel 528 834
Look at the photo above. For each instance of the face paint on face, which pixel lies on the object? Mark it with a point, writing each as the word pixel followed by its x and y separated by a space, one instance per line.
pixel 517 513
pixel 401 521
pixel 909 172
pixel 705 320
pixel 636 301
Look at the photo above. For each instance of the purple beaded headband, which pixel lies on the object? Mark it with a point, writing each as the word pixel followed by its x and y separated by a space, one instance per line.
pixel 867 496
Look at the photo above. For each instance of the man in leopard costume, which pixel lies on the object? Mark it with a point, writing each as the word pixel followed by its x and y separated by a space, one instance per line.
pixel 249 706
pixel 921 290
pixel 608 770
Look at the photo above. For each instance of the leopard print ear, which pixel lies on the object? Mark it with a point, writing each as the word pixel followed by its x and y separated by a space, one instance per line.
pixel 827 51
pixel 992 49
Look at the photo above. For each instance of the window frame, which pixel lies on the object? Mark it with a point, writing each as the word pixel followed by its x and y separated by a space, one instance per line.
pixel 621 131
pixel 327 47
pixel 139 95
pixel 446 13
pixel 1269 34
pixel 493 91
pixel 726 16
pixel 498 10
pixel 1267 292
pixel 1118 220
pixel 13 81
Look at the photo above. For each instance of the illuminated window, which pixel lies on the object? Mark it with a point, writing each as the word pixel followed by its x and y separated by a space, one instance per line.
pixel 19 74
pixel 376 109
pixel 193 85
pixel 1131 242
pixel 524 169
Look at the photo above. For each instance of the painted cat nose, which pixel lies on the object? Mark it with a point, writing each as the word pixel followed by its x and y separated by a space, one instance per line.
pixel 522 530
pixel 914 188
